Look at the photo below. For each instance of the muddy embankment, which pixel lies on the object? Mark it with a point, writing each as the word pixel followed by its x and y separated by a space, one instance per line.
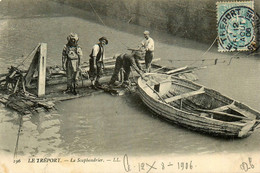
pixel 190 19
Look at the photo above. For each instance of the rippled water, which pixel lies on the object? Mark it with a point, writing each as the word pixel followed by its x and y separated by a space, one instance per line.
pixel 104 124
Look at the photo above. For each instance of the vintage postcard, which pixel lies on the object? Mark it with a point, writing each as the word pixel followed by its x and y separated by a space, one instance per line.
pixel 129 86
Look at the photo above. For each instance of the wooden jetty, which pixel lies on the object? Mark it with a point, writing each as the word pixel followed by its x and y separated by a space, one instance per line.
pixel 38 88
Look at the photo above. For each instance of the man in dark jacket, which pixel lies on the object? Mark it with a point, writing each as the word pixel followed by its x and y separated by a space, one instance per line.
pixel 126 61
pixel 71 56
pixel 96 63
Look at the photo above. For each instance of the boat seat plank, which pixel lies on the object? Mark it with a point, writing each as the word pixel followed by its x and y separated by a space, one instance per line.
pixel 223 108
pixel 156 82
pixel 185 95
pixel 235 108
pixel 243 112
pixel 226 114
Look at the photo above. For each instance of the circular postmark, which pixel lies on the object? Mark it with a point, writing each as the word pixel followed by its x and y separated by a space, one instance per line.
pixel 236 29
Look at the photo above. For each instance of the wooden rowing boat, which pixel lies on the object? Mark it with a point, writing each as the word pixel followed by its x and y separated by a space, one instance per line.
pixel 196 107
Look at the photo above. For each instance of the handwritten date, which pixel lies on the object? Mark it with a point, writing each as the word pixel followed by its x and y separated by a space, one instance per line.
pixel 155 165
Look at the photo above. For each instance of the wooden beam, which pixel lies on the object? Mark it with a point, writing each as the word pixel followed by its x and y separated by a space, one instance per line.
pixel 42 70
pixel 185 95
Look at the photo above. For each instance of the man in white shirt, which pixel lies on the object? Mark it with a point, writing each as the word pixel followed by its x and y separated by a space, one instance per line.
pixel 96 62
pixel 148 45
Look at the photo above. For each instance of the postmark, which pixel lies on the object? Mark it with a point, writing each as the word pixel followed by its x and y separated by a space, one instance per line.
pixel 236 23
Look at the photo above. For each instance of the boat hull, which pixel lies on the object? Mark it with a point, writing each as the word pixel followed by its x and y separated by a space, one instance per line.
pixel 194 121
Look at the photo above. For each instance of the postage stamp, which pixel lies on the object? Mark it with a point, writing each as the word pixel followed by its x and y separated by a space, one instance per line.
pixel 235 26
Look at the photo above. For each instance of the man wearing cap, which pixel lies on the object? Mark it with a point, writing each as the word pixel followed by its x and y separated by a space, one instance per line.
pixel 148 45
pixel 96 62
pixel 71 56
pixel 126 61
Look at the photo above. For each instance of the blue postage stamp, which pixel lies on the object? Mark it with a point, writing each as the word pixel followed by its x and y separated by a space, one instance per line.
pixel 235 26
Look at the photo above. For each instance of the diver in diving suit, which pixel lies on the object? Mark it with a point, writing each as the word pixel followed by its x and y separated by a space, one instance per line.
pixel 71 56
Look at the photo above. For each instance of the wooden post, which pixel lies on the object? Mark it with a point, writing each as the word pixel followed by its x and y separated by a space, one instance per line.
pixel 42 69
pixel 33 65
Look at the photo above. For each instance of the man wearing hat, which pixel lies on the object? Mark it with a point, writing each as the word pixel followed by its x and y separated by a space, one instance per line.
pixel 71 56
pixel 126 61
pixel 148 45
pixel 96 62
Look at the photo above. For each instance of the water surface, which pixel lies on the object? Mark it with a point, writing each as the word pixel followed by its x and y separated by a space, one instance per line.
pixel 104 124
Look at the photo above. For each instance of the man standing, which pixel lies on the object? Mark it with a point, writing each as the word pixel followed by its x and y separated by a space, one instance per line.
pixel 96 63
pixel 126 61
pixel 148 45
pixel 71 56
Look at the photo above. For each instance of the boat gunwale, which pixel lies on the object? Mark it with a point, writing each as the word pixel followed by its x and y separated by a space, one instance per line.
pixel 197 115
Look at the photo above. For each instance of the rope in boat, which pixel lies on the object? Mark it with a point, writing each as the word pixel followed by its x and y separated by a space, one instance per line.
pixel 102 20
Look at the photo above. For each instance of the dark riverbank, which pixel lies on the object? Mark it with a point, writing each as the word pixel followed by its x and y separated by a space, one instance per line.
pixel 189 19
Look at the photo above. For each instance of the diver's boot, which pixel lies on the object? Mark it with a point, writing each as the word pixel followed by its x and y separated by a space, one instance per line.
pixel 67 90
pixel 97 84
pixel 126 84
pixel 74 90
pixel 93 85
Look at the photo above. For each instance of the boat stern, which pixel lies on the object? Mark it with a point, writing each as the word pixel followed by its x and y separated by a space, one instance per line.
pixel 247 129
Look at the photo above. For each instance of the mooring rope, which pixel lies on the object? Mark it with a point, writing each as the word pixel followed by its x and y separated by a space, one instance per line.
pixel 210 46
pixel 206 59
pixel 203 60
pixel 194 61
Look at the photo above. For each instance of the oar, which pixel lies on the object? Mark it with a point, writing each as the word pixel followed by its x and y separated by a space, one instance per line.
pixel 226 114
pixel 176 70
pixel 159 69
pixel 189 70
